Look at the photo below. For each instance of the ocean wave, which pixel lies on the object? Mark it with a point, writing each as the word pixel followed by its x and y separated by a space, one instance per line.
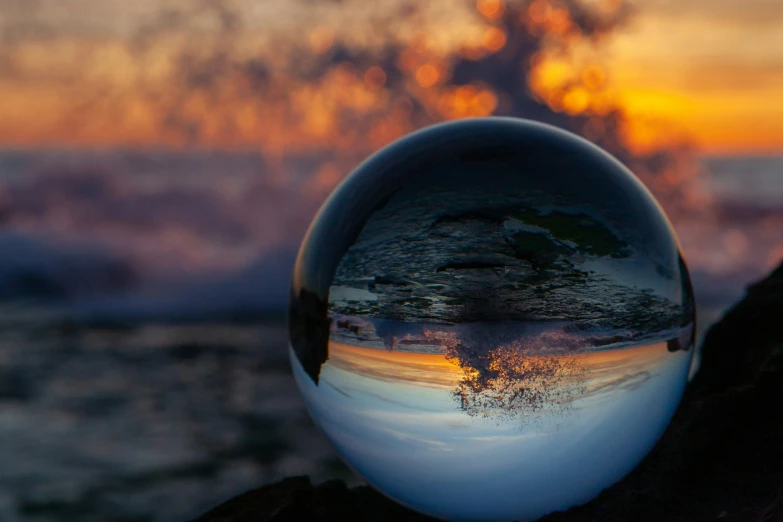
pixel 159 235
pixel 257 291
pixel 46 270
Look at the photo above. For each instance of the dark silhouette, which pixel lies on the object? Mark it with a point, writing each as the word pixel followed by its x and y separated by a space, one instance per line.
pixel 308 327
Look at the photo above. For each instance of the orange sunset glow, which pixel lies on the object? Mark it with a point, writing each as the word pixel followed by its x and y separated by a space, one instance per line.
pixel 592 372
pixel 99 73
pixel 396 366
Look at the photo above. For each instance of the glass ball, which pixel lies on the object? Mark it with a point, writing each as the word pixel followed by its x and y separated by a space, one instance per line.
pixel 491 319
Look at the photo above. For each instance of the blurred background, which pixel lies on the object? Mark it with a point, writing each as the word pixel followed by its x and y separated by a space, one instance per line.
pixel 161 160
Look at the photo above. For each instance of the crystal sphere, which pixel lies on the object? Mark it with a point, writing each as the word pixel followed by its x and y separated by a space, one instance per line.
pixel 491 319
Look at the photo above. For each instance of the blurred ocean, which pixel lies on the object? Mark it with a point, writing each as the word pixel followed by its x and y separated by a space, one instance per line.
pixel 143 362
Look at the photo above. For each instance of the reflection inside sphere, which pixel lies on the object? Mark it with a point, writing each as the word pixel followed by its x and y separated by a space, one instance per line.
pixel 491 320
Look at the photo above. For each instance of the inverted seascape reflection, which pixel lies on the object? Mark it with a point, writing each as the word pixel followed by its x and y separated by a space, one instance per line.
pixel 411 422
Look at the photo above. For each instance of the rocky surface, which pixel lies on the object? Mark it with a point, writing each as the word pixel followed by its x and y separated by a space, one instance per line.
pixel 451 256
pixel 719 459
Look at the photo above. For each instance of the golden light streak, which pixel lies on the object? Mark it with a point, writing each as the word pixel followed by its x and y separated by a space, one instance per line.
pixel 399 367
pixel 513 373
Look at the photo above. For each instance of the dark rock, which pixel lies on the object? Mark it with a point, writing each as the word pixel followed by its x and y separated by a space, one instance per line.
pixel 720 458
pixel 308 326
pixel 296 499
pixel 461 258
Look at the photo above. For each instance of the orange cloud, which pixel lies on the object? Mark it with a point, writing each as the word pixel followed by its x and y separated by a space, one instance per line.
pixel 101 88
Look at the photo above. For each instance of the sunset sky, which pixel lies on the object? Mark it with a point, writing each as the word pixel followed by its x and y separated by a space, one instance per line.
pixel 715 66
pixel 711 70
